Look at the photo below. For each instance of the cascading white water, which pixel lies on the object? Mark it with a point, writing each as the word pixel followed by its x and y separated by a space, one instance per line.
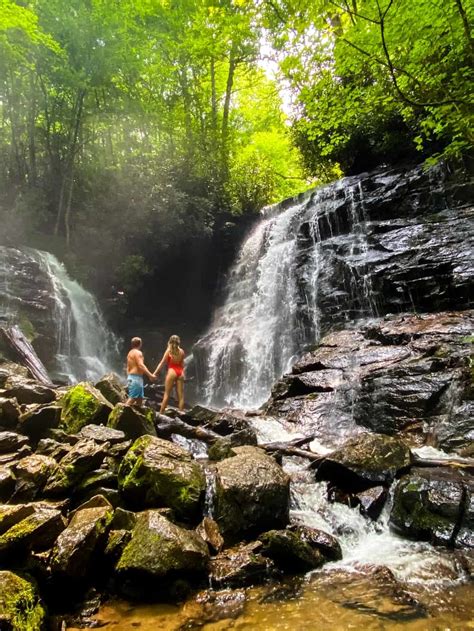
pixel 272 310
pixel 86 348
pixel 69 330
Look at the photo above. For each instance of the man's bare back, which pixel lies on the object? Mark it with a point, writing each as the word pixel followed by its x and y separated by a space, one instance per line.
pixel 135 364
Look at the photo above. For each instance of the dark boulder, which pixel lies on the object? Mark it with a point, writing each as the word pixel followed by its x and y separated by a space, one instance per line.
pixel 11 441
pixel 455 431
pixel 241 566
pixel 7 483
pixel 231 424
pixel 132 421
pixel 9 412
pixel 83 457
pixel 289 551
pixel 252 494
pixel 76 547
pixel 112 387
pixel 102 434
pixel 27 391
pixel 435 505
pixel 36 421
pixel 364 461
pixel 208 530
pixel 156 473
pixel 319 540
pixel 372 501
pixel 307 383
pixel 31 475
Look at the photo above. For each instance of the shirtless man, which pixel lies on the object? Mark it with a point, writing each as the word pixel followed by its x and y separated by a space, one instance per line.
pixel 135 371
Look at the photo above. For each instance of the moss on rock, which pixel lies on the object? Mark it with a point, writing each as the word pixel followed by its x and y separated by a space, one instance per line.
pixel 81 405
pixel 20 605
pixel 156 473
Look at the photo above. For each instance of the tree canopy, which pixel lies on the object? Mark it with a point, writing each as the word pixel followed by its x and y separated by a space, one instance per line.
pixel 133 126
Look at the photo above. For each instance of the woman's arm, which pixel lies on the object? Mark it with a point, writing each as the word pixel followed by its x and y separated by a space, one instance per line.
pixel 162 363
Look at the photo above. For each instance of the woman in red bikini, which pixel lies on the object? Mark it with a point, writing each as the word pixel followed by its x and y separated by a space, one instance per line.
pixel 174 357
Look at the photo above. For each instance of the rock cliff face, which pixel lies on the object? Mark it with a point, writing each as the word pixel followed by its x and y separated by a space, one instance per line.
pixel 365 246
pixel 406 375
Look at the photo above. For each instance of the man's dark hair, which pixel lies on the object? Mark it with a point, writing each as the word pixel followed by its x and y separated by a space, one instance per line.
pixel 136 342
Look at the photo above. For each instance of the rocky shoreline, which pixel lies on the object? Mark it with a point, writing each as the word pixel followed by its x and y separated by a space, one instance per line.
pixel 96 495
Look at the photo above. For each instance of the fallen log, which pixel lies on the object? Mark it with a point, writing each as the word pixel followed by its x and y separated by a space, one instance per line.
pixel 459 463
pixel 166 426
pixel 25 353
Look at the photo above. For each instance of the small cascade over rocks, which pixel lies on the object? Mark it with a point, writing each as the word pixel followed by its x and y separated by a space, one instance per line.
pixel 62 320
pixel 359 248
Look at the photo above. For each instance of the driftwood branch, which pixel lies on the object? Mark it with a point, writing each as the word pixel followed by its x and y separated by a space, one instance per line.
pixel 459 463
pixel 25 353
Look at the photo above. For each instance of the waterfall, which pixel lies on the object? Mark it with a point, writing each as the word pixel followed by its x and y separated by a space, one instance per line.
pixel 86 348
pixel 274 305
pixel 70 332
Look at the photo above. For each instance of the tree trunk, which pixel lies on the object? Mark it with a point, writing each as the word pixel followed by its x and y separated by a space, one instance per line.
pixel 226 112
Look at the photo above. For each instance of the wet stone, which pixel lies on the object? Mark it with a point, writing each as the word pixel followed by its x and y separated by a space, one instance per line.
pixel 241 566
pixel 364 461
pixel 37 421
pixel 9 412
pixel 102 434
pixel 11 441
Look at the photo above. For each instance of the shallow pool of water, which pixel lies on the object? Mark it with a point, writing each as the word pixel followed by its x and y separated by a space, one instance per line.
pixel 367 598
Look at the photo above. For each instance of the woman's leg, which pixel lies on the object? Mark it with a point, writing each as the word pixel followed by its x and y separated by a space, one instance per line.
pixel 169 382
pixel 180 392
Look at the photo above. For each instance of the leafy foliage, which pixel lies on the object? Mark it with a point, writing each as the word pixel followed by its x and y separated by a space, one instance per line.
pixel 377 79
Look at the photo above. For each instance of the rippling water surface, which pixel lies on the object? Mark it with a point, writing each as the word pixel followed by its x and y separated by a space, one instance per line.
pixel 335 599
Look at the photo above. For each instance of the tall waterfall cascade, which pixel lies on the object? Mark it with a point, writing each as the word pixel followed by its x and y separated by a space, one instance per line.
pixel 359 248
pixel 65 322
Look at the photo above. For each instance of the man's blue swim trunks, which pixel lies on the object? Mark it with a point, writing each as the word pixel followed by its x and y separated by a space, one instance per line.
pixel 135 386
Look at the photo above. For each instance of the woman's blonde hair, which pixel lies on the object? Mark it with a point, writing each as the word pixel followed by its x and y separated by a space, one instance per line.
pixel 173 346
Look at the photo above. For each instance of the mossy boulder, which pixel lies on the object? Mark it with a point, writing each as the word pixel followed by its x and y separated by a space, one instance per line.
pixel 159 549
pixel 20 606
pixel 81 405
pixel 75 549
pixel 252 494
pixel 85 456
pixel 436 505
pixel 112 388
pixel 37 531
pixel 132 421
pixel 156 472
pixel 290 552
pixel 364 461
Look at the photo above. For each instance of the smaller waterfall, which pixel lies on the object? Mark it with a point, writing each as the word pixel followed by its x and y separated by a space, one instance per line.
pixel 63 320
pixel 86 348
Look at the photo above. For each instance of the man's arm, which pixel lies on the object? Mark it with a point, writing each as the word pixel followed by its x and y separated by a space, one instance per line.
pixel 143 368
